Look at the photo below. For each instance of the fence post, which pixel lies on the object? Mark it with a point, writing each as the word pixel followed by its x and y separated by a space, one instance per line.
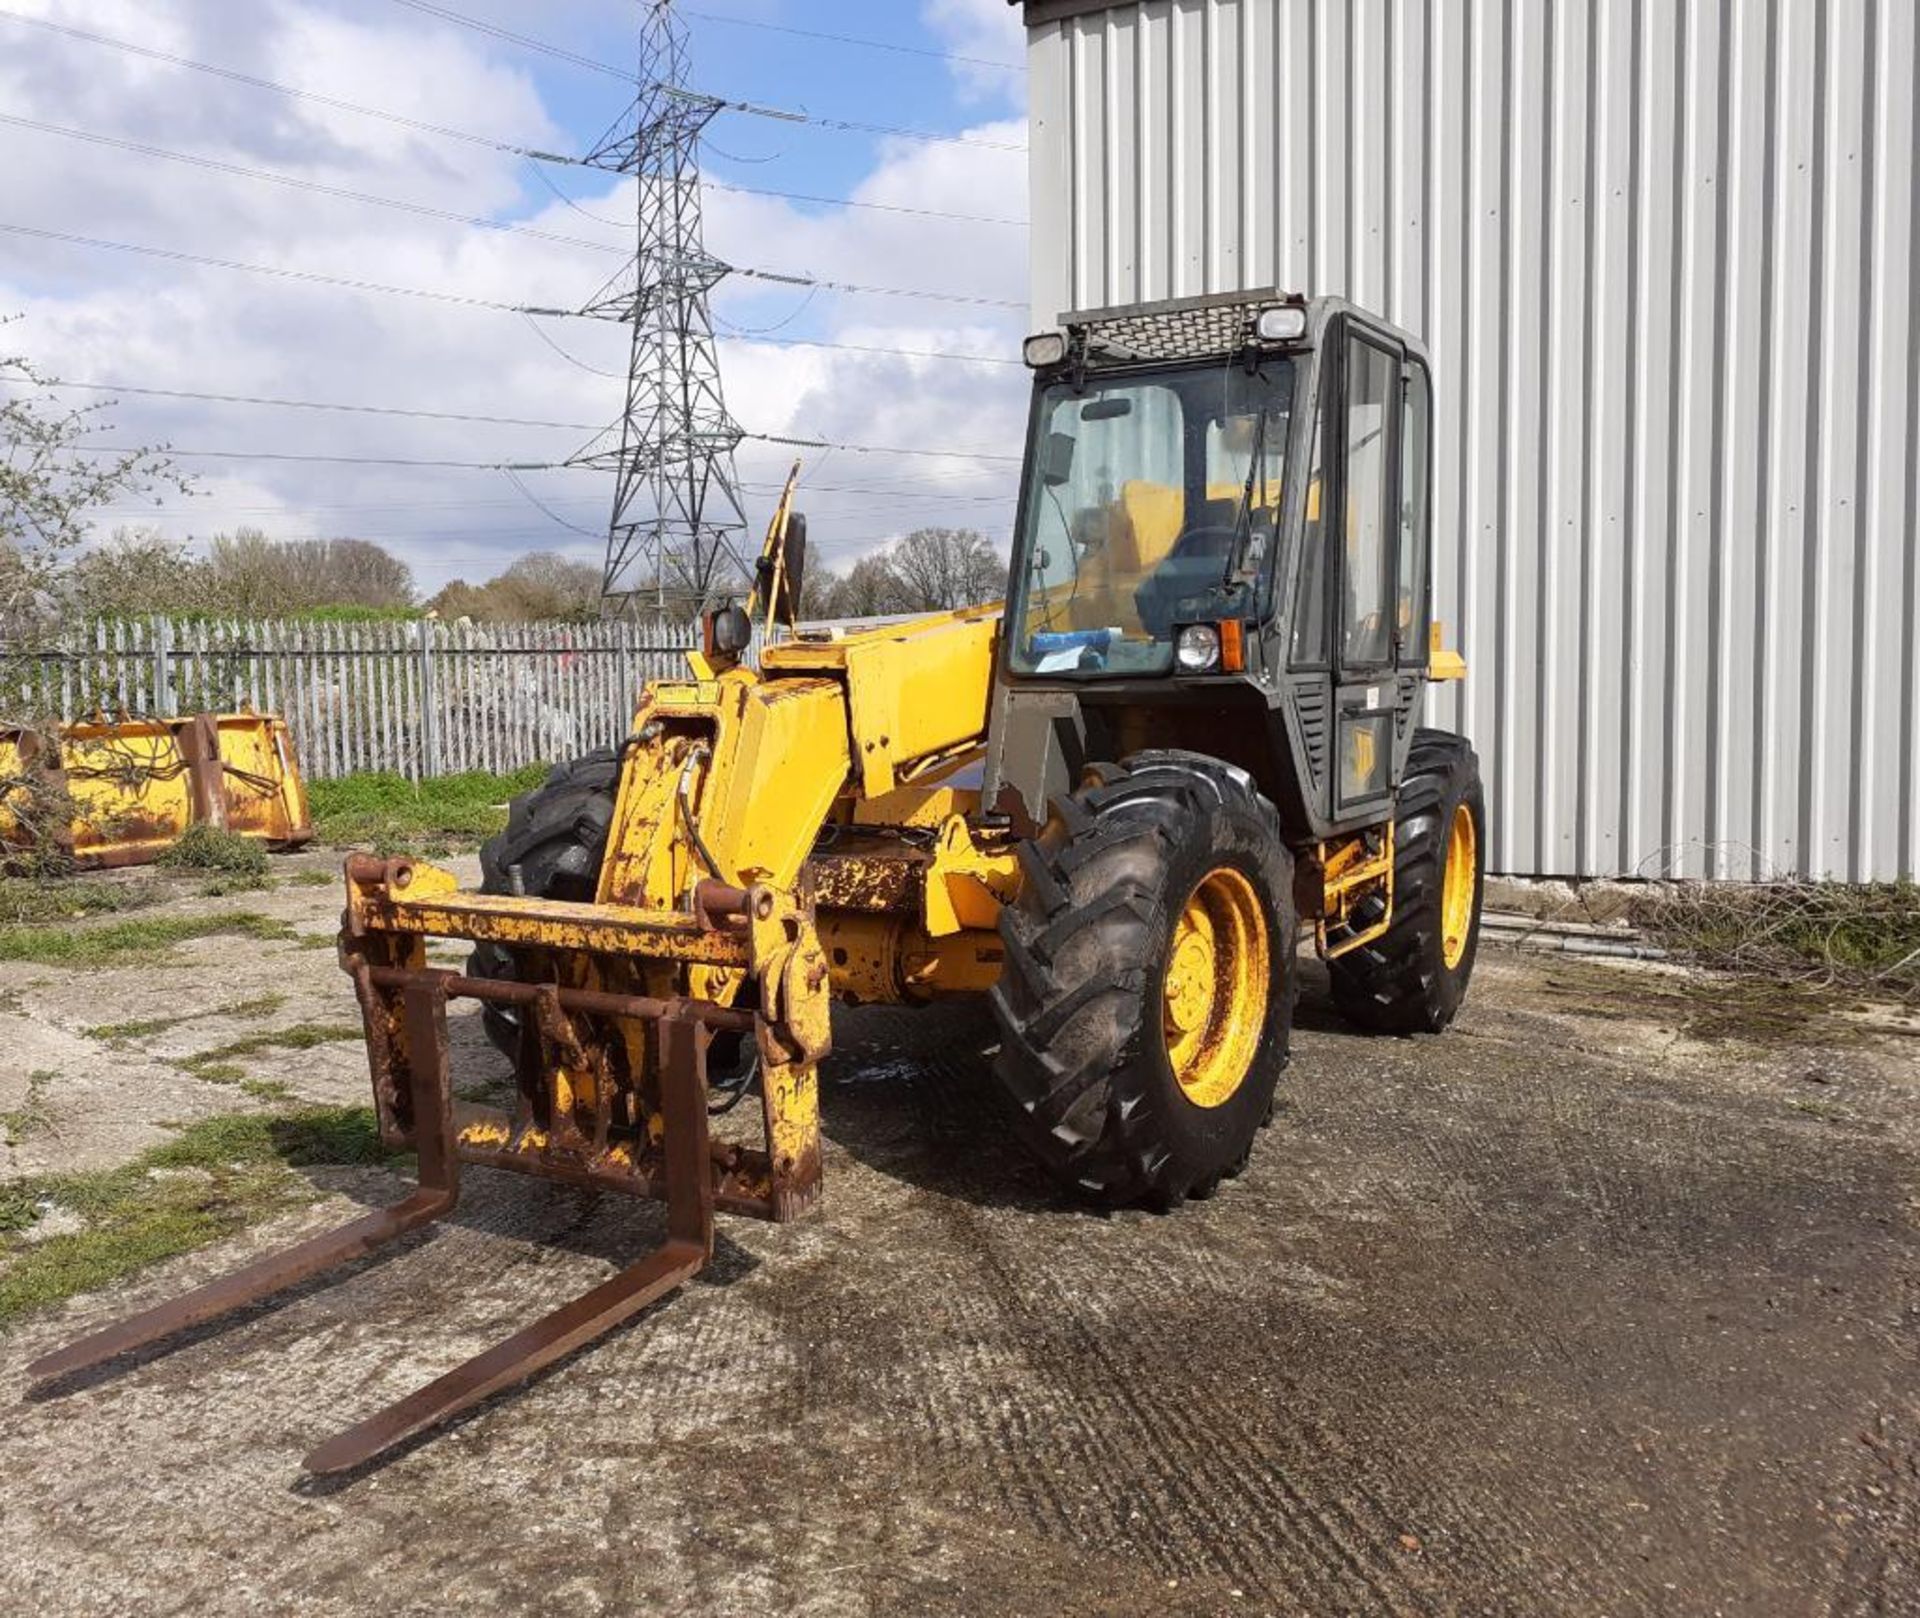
pixel 430 720
pixel 163 667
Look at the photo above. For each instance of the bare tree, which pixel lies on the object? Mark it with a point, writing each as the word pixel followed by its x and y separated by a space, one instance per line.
pixel 870 589
pixel 251 574
pixel 541 587
pixel 359 573
pixel 817 591
pixel 940 569
pixel 248 573
pixel 547 585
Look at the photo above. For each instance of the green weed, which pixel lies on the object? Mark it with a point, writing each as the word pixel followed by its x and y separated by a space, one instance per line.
pixel 216 1177
pixel 27 900
pixel 119 943
pixel 390 814
pixel 221 1064
pixel 1862 936
pixel 208 848
pixel 32 1113
pixel 119 1032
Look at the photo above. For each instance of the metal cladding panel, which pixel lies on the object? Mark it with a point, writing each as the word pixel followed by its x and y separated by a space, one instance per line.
pixel 1660 250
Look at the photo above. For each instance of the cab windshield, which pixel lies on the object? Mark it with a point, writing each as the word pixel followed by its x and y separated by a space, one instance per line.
pixel 1153 502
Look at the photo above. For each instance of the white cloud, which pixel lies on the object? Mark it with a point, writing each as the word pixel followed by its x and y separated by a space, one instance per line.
pixel 103 316
pixel 989 31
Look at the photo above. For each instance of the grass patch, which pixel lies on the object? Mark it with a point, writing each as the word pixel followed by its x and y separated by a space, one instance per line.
pixel 225 887
pixel 314 879
pixel 25 901
pixel 1714 1009
pixel 209 848
pixel 32 1113
pixel 1864 937
pixel 221 1064
pixel 214 1178
pixel 390 814
pixel 118 943
pixel 115 1033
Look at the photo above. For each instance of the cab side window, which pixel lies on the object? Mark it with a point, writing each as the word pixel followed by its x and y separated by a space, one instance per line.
pixel 1310 599
pixel 1415 506
pixel 1369 611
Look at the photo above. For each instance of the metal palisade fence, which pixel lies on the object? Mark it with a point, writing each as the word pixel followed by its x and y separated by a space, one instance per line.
pixel 417 697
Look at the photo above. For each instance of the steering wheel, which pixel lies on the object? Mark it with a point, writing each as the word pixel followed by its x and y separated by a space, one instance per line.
pixel 1182 572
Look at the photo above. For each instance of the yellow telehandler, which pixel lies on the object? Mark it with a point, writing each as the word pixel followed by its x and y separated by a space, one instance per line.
pixel 1112 807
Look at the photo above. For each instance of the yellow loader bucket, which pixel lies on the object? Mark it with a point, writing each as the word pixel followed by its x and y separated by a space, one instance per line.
pixel 134 785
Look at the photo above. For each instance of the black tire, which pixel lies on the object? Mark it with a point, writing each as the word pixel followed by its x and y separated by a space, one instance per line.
pixel 1083 1046
pixel 1401 983
pixel 556 839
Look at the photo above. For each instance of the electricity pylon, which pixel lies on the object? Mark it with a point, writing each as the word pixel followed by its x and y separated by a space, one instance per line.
pixel 674 538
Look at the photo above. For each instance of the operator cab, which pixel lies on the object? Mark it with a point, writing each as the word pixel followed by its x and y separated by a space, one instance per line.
pixel 1233 485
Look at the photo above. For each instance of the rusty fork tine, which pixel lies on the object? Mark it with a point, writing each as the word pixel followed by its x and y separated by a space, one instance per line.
pixel 688 1246
pixel 426 1013
pixel 261 1279
pixel 516 1359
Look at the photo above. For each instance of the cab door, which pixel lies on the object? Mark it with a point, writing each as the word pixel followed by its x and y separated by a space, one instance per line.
pixel 1369 622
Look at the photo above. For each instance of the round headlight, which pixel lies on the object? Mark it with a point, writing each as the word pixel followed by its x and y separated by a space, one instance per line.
pixel 1198 648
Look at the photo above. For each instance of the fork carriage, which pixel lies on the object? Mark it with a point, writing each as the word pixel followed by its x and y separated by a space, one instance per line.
pixel 611 1088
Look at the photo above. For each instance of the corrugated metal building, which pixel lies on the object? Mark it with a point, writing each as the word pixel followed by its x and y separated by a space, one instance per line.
pixel 1661 251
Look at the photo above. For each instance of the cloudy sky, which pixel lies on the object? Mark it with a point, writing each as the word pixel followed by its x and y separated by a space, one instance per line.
pixel 115 127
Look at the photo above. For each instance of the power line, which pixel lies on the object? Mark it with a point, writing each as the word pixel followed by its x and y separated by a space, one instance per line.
pixel 875 449
pixel 199 512
pixel 170 514
pixel 262 269
pixel 333 102
pixel 852 126
pixel 468 136
pixel 791 342
pixel 848 39
pixel 850 202
pixel 892 353
pixel 246 172
pixel 559 52
pixel 525 41
pixel 356 285
pixel 784 278
pixel 168 452
pixel 548 512
pixel 777 277
pixel 789 196
pixel 313 404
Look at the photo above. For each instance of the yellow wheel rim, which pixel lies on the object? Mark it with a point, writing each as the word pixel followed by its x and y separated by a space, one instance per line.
pixel 1215 997
pixel 1456 887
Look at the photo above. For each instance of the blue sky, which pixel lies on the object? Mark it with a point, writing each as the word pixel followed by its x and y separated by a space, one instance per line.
pixel 130 320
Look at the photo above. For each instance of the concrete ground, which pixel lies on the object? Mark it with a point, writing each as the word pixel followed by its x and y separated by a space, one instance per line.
pixel 1602 1303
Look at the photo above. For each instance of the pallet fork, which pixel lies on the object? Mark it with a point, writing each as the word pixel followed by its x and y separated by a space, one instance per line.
pixel 588 1113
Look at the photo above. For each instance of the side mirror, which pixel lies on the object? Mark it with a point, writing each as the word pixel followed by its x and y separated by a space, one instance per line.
pixel 1056 459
